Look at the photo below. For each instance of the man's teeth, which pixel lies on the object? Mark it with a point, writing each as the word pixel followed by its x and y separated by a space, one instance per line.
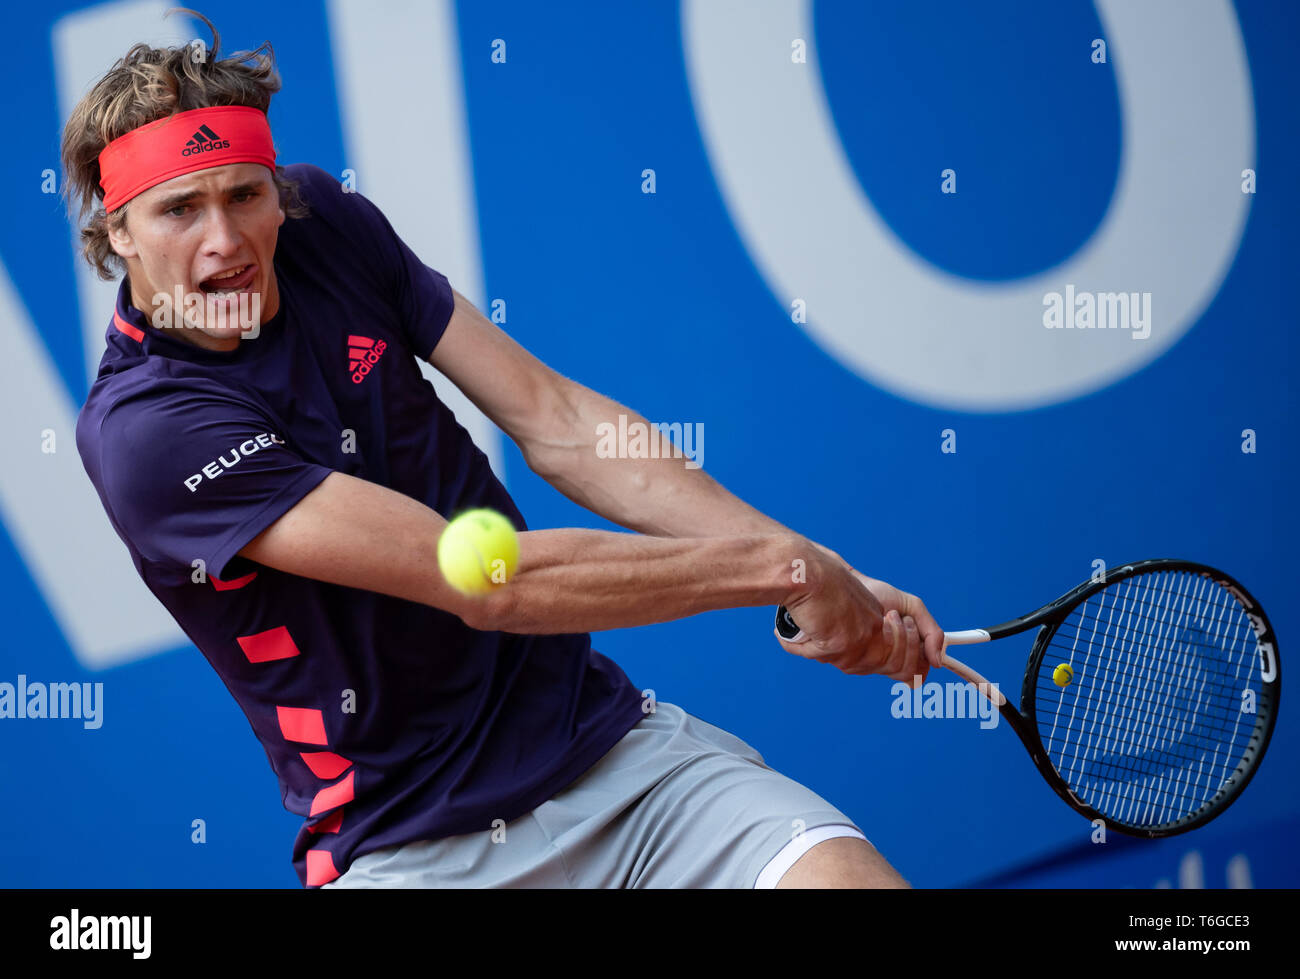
pixel 212 287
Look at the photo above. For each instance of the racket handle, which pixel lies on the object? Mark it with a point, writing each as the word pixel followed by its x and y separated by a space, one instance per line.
pixel 786 627
pixel 789 630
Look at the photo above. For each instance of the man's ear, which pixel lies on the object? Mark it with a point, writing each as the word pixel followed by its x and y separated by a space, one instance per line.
pixel 120 240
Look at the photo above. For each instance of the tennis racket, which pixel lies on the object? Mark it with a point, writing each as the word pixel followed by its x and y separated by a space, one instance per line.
pixel 1171 700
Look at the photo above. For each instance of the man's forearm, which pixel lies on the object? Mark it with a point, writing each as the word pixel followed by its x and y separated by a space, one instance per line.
pixel 586 580
pixel 658 496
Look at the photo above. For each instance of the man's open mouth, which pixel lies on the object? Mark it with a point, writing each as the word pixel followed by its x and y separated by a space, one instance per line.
pixel 230 282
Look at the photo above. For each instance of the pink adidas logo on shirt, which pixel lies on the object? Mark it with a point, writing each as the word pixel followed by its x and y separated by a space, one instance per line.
pixel 363 354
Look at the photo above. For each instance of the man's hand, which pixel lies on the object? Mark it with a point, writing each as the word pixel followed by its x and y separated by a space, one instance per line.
pixel 914 615
pixel 862 625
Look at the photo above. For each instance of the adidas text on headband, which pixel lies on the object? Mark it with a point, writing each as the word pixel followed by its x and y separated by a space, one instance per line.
pixel 183 143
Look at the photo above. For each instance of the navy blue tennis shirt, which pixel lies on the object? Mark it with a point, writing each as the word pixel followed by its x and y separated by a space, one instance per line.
pixel 385 720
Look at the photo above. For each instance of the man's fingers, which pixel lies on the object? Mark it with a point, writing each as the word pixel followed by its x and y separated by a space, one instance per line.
pixel 897 659
pixel 931 633
pixel 933 645
pixel 916 660
pixel 915 651
pixel 914 679
pixel 914 672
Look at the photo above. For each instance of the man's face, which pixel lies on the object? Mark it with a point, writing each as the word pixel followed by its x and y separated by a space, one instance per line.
pixel 190 233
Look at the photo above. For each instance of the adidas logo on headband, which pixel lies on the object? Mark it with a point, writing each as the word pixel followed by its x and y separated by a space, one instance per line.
pixel 203 141
pixel 146 156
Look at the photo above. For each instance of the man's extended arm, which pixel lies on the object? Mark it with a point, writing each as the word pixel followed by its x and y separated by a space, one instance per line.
pixel 356 533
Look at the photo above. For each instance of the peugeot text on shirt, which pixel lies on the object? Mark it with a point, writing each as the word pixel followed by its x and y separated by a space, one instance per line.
pixel 246 448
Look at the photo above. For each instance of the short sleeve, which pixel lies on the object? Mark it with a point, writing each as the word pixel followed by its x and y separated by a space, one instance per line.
pixel 197 476
pixel 421 296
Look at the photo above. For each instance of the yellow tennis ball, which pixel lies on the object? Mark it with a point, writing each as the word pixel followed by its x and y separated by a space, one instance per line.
pixel 478 551
pixel 1062 675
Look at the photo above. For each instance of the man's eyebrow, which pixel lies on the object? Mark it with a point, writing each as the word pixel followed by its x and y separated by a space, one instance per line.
pixel 184 197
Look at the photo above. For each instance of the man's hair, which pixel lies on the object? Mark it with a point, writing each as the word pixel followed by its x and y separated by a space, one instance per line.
pixel 146 85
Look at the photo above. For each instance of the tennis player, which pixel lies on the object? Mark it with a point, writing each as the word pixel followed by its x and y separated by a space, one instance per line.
pixel 281 484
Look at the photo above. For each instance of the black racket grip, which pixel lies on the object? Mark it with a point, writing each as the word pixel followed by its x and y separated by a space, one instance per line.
pixel 786 627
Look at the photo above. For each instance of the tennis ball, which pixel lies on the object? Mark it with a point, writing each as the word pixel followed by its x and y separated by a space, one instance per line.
pixel 478 551
pixel 1062 675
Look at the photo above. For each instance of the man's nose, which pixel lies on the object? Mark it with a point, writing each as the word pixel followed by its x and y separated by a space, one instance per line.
pixel 221 237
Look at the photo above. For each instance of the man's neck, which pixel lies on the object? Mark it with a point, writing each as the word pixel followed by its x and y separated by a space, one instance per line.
pixel 198 338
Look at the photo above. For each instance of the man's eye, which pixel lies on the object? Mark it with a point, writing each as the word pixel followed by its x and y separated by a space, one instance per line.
pixel 245 195
pixel 178 211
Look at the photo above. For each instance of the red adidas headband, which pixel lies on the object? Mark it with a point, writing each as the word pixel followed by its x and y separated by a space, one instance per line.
pixel 182 143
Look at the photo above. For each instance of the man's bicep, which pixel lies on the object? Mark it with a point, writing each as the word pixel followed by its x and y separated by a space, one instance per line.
pixel 523 396
pixel 352 532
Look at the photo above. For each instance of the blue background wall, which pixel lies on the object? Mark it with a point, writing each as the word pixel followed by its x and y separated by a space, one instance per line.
pixel 655 301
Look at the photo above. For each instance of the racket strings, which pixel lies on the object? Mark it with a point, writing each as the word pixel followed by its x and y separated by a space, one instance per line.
pixel 1175 784
pixel 1154 722
pixel 1172 784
